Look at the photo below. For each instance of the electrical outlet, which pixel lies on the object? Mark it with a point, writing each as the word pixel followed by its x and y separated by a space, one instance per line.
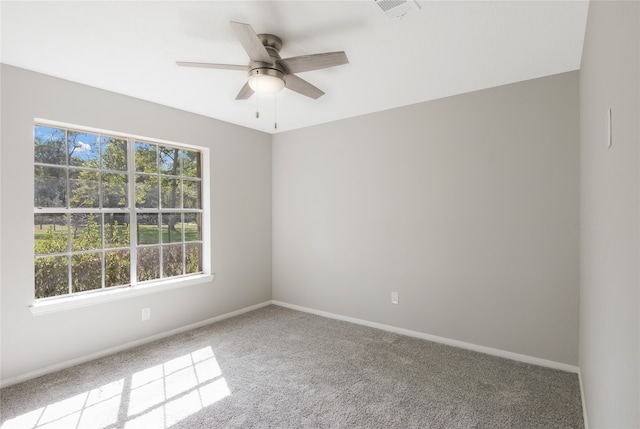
pixel 394 297
pixel 146 314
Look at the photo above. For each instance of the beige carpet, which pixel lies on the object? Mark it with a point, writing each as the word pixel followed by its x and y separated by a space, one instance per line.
pixel 279 368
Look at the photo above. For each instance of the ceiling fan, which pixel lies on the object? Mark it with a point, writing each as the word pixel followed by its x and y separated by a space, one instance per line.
pixel 267 72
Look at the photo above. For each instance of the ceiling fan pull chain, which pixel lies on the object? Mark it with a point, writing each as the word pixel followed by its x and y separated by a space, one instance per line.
pixel 257 96
pixel 275 113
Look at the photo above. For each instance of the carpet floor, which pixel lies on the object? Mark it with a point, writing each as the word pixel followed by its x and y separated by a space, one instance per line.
pixel 280 368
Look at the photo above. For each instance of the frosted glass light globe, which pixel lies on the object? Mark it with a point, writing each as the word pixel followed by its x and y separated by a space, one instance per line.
pixel 266 84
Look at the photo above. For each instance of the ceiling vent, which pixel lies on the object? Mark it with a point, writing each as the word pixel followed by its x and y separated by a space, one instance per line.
pixel 397 8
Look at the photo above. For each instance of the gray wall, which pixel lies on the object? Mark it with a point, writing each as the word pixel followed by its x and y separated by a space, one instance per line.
pixel 610 216
pixel 240 197
pixel 467 206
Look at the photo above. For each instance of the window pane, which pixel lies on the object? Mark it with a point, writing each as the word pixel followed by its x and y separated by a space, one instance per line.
pixel 84 197
pixel 114 190
pixel 192 227
pixel 191 189
pixel 116 230
pixel 148 263
pixel 84 150
pixel 117 266
pixel 50 234
pixel 171 228
pixel 86 272
pixel 85 188
pixel 170 161
pixel 49 146
pixel 147 191
pixel 86 231
pixel 148 229
pixel 51 276
pixel 193 258
pixel 171 193
pixel 191 163
pixel 146 156
pixel 114 153
pixel 50 187
pixel 172 260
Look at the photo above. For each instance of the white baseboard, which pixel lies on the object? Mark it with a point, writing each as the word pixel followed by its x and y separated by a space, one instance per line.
pixel 77 361
pixel 455 343
pixel 437 339
pixel 584 404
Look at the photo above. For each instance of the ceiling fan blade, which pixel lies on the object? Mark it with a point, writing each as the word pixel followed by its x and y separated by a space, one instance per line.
pixel 303 87
pixel 250 42
pixel 212 65
pixel 245 92
pixel 314 61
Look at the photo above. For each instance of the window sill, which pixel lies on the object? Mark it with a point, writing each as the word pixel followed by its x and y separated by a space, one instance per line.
pixel 71 302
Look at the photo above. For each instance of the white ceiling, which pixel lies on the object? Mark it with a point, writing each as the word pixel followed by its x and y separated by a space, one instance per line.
pixel 446 48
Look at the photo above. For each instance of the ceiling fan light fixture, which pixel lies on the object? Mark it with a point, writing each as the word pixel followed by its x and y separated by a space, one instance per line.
pixel 268 72
pixel 266 81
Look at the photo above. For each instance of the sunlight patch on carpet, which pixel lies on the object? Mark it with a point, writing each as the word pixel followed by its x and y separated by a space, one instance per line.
pixel 158 397
pixel 95 408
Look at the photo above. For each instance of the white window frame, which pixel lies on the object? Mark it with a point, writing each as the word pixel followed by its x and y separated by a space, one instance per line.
pixel 66 302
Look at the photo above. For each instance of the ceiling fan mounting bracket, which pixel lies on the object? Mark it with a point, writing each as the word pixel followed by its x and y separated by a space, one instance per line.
pixel 271 41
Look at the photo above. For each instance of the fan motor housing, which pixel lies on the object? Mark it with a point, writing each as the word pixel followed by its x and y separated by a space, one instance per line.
pixel 272 44
pixel 268 71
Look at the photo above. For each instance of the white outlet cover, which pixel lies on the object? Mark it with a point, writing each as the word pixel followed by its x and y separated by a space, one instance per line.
pixel 394 297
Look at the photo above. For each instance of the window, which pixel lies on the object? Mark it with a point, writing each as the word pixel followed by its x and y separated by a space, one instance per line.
pixel 113 211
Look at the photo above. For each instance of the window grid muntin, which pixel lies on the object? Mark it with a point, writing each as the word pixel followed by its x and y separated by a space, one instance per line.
pixel 131 207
